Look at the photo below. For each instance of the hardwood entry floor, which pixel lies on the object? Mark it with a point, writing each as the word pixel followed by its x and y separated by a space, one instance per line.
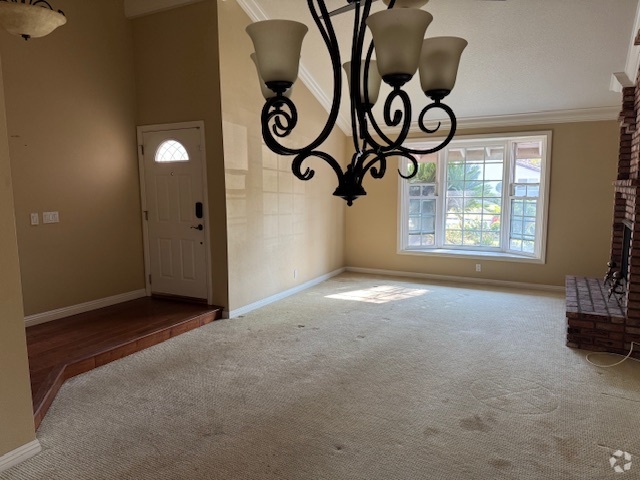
pixel 64 348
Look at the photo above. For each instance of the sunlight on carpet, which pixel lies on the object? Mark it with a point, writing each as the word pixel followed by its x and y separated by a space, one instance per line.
pixel 382 294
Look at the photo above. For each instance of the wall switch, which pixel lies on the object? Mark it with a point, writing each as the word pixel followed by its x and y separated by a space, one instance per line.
pixel 478 267
pixel 295 273
pixel 35 219
pixel 50 217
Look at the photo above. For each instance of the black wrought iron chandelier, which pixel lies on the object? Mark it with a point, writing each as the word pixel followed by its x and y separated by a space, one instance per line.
pixel 401 50
pixel 30 18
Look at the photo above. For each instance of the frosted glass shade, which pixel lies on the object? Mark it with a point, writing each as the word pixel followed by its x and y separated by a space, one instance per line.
pixel 407 3
pixel 29 20
pixel 277 45
pixel 373 84
pixel 267 93
pixel 439 62
pixel 397 38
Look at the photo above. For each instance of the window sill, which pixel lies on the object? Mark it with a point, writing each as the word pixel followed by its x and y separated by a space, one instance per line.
pixel 498 256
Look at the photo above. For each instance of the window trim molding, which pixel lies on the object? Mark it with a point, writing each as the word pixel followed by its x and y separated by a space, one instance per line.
pixel 460 253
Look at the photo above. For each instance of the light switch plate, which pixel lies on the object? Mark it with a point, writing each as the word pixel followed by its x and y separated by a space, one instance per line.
pixel 50 217
pixel 35 219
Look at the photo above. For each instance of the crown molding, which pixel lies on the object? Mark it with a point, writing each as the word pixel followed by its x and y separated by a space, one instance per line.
pixel 536 118
pixel 251 8
pixel 595 114
pixel 139 8
pixel 619 80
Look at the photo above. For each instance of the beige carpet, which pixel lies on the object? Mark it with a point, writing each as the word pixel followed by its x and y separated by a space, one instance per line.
pixel 361 377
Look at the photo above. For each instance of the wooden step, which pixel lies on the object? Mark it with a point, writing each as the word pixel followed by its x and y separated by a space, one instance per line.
pixel 64 348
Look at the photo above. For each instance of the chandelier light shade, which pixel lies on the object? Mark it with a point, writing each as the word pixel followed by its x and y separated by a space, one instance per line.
pixel 267 93
pixel 373 83
pixel 400 51
pixel 397 38
pixel 30 18
pixel 278 44
pixel 439 62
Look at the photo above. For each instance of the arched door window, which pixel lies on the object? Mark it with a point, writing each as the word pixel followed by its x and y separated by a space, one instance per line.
pixel 171 151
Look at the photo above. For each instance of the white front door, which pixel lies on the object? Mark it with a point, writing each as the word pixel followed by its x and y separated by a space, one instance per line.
pixel 174 197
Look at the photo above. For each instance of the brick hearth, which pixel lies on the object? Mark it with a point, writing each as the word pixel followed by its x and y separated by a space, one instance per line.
pixel 596 322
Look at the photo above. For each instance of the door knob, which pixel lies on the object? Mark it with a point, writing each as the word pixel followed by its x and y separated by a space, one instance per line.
pixel 199 227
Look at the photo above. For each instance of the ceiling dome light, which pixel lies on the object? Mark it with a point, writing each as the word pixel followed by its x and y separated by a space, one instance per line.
pixel 30 20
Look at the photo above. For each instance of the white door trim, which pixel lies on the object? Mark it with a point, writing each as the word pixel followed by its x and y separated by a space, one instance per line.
pixel 142 129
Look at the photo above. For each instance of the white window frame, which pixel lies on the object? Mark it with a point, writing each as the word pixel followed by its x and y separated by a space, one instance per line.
pixel 503 253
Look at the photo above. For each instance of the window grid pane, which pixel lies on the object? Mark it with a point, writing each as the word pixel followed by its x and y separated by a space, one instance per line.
pixel 474 197
pixel 522 234
pixel 422 208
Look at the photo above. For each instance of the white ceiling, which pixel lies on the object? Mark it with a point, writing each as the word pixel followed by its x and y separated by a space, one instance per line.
pixel 527 60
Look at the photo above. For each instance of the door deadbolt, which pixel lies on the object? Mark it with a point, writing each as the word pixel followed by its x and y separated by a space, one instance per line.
pixel 199 227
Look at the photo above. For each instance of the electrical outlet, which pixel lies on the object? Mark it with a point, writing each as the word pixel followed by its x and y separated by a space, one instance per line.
pixel 478 267
pixel 35 219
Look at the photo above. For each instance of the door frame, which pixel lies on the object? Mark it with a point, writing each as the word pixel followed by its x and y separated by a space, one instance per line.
pixel 142 129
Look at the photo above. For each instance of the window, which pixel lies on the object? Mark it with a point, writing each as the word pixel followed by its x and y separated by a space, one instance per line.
pixel 171 151
pixel 484 196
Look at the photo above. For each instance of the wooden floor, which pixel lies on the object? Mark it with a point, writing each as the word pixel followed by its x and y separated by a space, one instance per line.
pixel 64 348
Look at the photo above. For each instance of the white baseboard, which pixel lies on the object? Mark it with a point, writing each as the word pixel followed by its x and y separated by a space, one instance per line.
pixel 44 317
pixel 279 296
pixel 19 455
pixel 468 280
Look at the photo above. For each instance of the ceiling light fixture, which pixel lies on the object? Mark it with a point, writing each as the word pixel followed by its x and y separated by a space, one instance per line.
pixel 401 50
pixel 30 19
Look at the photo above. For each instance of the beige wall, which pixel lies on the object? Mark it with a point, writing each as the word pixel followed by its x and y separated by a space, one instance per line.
pixel 583 167
pixel 16 415
pixel 277 223
pixel 177 80
pixel 71 116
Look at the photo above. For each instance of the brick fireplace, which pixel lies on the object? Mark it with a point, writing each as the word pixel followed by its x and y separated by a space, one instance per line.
pixel 597 320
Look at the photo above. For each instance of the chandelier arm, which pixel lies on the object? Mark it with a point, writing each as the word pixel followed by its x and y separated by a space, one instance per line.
pixel 399 116
pixel 325 25
pixel 283 123
pixel 413 161
pixel 296 165
pixel 380 157
pixel 364 111
pixel 361 89
pixel 423 127
pixel 361 108
pixel 319 17
pixel 354 87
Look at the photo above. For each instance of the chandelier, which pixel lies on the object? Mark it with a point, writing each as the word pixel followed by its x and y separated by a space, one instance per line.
pixel 30 18
pixel 400 50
